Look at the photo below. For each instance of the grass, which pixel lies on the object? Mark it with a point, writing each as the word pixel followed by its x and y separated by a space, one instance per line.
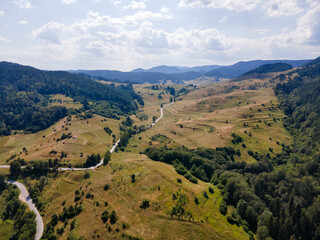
pixel 156 182
pixel 6 229
pixel 209 115
pixel 91 138
pixel 62 100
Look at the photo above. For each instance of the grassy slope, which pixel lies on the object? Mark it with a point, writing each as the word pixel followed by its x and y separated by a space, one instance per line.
pixel 62 100
pixel 203 114
pixel 91 138
pixel 125 198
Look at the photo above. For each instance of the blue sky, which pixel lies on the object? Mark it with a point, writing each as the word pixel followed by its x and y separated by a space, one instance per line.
pixel 126 34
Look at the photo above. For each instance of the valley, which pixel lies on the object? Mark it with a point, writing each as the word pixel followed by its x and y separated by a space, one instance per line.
pixel 132 196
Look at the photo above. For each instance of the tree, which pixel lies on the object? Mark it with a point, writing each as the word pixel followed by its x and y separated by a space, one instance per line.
pixel 3 184
pixel 223 207
pixel 105 216
pixel 54 220
pixel 154 118
pixel 145 204
pixel 86 174
pixel 107 158
pixel 106 187
pixel 133 178
pixel 178 211
pixel 15 168
pixel 113 217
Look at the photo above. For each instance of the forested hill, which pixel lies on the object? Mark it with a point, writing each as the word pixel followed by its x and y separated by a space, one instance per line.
pixel 24 96
pixel 267 68
pixel 300 99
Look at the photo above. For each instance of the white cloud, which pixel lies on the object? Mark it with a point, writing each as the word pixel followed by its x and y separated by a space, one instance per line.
pixel 223 19
pixel 69 1
pixel 23 22
pixel 308 27
pixel 23 4
pixel 276 8
pixel 4 39
pixel 164 10
pixel 272 8
pixel 199 40
pixel 136 5
pixel 260 31
pixel 234 5
pixel 50 32
pixel 1 13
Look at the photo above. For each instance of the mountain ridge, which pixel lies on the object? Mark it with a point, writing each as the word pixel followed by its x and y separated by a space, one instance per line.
pixel 178 74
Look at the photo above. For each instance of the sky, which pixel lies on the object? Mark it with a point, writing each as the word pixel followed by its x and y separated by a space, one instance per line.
pixel 125 34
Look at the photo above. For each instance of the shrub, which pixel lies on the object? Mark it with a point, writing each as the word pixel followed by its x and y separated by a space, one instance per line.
pixel 205 194
pixel 211 190
pixel 105 216
pixel 145 204
pixel 113 217
pixel 133 178
pixel 191 178
pixel 106 187
pixel 223 207
pixel 86 174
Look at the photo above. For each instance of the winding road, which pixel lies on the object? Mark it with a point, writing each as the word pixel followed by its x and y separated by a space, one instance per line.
pixel 24 194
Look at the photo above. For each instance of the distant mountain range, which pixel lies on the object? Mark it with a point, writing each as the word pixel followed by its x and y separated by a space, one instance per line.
pixel 178 74
pixel 175 69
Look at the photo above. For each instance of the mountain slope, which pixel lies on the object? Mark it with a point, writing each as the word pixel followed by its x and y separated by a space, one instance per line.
pixel 267 68
pixel 240 68
pixel 140 77
pixel 176 69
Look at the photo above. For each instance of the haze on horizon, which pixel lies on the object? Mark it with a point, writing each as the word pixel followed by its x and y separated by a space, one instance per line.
pixel 127 34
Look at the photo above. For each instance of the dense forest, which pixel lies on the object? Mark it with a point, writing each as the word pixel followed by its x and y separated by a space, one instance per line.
pixel 25 91
pixel 276 197
pixel 276 67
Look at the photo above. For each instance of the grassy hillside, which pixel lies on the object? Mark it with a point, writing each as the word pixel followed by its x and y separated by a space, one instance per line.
pixel 154 181
pixel 208 116
pixel 87 137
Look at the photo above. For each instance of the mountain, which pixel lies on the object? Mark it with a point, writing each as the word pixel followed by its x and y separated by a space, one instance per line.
pixel 163 69
pixel 175 69
pixel 267 68
pixel 242 67
pixel 140 77
pixel 25 100
pixel 313 62
pixel 178 74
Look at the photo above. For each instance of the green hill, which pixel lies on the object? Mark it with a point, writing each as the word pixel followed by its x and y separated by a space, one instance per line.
pixel 25 97
pixel 267 68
